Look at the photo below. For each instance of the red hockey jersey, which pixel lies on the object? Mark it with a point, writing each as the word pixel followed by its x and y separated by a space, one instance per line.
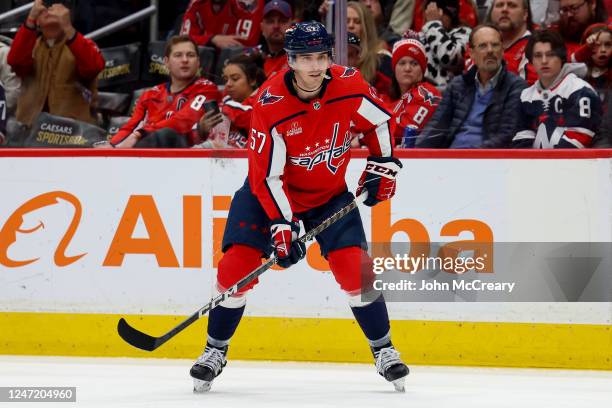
pixel 204 19
pixel 299 150
pixel 414 109
pixel 159 108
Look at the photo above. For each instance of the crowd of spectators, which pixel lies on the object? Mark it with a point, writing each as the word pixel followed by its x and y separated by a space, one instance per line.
pixel 453 73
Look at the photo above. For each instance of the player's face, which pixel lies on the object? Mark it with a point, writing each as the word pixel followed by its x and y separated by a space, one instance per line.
pixel 509 15
pixel 183 62
pixel 546 63
pixel 602 49
pixel 486 50
pixel 353 22
pixel 408 72
pixel 237 84
pixel 310 68
pixel 273 27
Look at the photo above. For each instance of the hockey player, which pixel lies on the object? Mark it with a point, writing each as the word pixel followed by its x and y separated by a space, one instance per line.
pixel 298 155
pixel 560 110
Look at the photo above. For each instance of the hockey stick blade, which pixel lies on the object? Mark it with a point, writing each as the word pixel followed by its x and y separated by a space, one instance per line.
pixel 146 342
pixel 135 337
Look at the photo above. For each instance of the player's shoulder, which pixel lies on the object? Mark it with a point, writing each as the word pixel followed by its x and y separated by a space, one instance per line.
pixel 574 85
pixel 271 92
pixel 346 75
pixel 157 92
pixel 530 94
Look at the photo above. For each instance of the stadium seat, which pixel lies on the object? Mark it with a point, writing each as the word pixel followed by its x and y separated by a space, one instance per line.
pixel 115 123
pixel 122 67
pixel 112 103
pixel 56 131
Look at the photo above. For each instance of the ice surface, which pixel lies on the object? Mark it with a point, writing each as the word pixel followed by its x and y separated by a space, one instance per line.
pixel 112 382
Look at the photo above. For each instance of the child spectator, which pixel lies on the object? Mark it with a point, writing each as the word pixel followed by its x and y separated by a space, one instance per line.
pixel 596 52
pixel 560 110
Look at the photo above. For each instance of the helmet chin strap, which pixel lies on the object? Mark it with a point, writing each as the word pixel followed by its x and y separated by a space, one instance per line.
pixel 295 82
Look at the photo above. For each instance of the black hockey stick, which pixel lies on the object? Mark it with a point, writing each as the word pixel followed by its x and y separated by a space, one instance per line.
pixel 146 342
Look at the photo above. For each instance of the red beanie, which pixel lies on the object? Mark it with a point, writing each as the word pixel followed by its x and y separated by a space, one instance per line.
pixel 411 48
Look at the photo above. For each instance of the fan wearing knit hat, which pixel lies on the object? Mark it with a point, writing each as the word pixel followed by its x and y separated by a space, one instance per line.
pixel 413 100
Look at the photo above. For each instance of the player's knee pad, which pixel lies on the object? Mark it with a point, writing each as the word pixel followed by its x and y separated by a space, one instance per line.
pixel 237 262
pixel 351 267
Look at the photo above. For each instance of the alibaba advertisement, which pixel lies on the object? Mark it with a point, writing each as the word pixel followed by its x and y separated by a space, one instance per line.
pixel 143 235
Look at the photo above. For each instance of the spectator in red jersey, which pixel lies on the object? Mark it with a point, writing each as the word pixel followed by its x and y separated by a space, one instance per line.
pixel 513 18
pixel 242 75
pixel 223 23
pixel 58 69
pixel 277 17
pixel 413 100
pixel 165 115
pixel 576 16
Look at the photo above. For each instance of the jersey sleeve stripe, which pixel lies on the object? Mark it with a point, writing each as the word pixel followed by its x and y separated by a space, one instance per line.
pixel 573 142
pixel 384 139
pixel 275 169
pixel 372 113
pixel 524 134
pixel 238 105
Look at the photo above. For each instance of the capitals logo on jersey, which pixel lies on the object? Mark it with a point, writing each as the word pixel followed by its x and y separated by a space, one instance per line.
pixel 428 97
pixel 266 98
pixel 324 153
pixel 348 72
pixel 248 5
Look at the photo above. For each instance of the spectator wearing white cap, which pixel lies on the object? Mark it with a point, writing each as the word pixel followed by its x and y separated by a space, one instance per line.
pixel 277 18
pixel 412 99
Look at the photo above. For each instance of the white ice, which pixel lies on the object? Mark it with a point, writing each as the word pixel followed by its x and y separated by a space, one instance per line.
pixel 114 382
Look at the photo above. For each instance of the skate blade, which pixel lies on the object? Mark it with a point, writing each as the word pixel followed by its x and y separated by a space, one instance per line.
pixel 200 386
pixel 400 384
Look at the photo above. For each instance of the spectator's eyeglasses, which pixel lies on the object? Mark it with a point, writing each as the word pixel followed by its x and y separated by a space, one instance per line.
pixel 485 46
pixel 572 9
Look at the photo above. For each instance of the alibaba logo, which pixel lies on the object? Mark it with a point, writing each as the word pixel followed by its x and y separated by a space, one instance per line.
pixel 8 233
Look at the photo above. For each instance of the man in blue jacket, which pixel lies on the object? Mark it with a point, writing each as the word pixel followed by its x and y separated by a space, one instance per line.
pixel 479 109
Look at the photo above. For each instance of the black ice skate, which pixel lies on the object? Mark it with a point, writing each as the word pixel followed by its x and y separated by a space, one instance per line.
pixel 207 367
pixel 389 365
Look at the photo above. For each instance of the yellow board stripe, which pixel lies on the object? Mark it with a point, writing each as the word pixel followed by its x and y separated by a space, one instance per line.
pixel 580 346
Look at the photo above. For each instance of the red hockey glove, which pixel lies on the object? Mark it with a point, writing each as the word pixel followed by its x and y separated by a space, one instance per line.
pixel 378 179
pixel 287 248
